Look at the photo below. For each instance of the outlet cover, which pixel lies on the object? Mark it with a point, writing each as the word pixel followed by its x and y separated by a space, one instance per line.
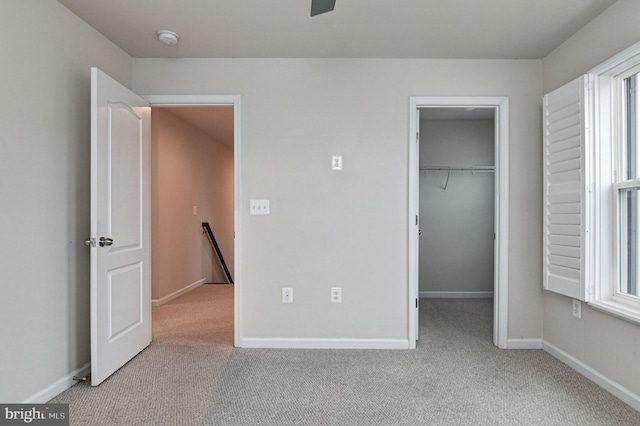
pixel 577 309
pixel 336 295
pixel 336 162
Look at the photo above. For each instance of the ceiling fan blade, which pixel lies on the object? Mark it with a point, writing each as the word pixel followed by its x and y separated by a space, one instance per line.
pixel 322 6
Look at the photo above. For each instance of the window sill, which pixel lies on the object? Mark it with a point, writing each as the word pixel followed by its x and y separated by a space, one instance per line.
pixel 621 310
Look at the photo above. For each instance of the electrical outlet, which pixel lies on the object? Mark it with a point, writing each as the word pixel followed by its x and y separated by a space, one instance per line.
pixel 577 309
pixel 336 295
pixel 336 162
pixel 287 295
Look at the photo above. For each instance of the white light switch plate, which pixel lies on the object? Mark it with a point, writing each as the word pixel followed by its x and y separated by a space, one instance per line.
pixel 258 207
pixel 287 295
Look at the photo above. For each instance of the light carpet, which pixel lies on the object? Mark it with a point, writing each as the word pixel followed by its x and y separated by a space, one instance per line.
pixel 191 375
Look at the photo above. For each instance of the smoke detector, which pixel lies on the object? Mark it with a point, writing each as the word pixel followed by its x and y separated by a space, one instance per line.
pixel 168 37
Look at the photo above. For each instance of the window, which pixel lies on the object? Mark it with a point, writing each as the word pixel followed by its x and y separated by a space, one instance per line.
pixel 616 173
pixel 592 187
pixel 627 189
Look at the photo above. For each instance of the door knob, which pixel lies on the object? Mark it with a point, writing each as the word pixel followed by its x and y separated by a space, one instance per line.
pixel 105 241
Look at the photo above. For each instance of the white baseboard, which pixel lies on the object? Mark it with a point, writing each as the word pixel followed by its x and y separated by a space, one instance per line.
pixel 304 343
pixel 176 294
pixel 59 386
pixel 455 294
pixel 595 376
pixel 524 343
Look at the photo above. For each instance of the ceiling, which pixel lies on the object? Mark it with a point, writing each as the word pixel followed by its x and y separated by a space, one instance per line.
pixel 215 121
pixel 460 29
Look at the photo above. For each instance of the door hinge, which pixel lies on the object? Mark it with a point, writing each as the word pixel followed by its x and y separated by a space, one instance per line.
pixel 416 303
pixel 90 242
pixel 417 136
pixel 416 220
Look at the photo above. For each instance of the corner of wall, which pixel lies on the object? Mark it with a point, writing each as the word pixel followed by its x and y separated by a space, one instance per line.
pixel 611 32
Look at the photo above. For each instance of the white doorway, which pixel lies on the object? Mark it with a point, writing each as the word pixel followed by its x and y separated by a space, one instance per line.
pixel 120 239
pixel 192 211
pixel 204 102
pixel 498 108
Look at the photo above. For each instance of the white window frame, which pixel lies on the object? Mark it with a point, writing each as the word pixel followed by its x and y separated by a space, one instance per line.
pixel 608 172
pixel 622 183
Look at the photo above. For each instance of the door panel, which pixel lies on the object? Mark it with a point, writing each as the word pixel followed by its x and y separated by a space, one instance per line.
pixel 124 295
pixel 120 215
pixel 124 192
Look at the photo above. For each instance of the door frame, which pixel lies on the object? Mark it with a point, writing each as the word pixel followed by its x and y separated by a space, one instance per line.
pixel 501 206
pixel 218 100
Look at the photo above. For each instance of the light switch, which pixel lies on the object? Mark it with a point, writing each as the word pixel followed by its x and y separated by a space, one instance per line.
pixel 195 210
pixel 336 162
pixel 259 207
pixel 287 295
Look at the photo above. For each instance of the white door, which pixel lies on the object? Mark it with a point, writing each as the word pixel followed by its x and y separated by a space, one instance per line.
pixel 120 226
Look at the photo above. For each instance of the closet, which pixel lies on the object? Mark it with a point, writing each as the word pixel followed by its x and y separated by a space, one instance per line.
pixel 457 201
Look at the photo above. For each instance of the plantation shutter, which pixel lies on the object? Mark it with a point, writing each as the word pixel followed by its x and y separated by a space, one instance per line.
pixel 566 198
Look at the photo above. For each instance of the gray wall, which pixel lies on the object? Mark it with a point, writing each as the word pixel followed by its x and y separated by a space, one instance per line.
pixel 296 113
pixel 349 229
pixel 46 56
pixel 456 245
pixel 605 343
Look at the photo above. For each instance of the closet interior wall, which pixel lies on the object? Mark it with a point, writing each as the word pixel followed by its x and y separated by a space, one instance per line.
pixel 457 207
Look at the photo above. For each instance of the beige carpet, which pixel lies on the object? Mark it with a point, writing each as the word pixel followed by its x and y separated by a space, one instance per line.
pixel 202 316
pixel 190 375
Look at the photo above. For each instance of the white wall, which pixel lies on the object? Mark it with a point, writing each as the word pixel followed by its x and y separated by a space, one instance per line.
pixel 46 56
pixel 456 245
pixel 609 345
pixel 349 229
pixel 189 169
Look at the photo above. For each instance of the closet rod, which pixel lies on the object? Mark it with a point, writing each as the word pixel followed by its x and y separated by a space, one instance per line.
pixel 449 169
pixel 460 168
